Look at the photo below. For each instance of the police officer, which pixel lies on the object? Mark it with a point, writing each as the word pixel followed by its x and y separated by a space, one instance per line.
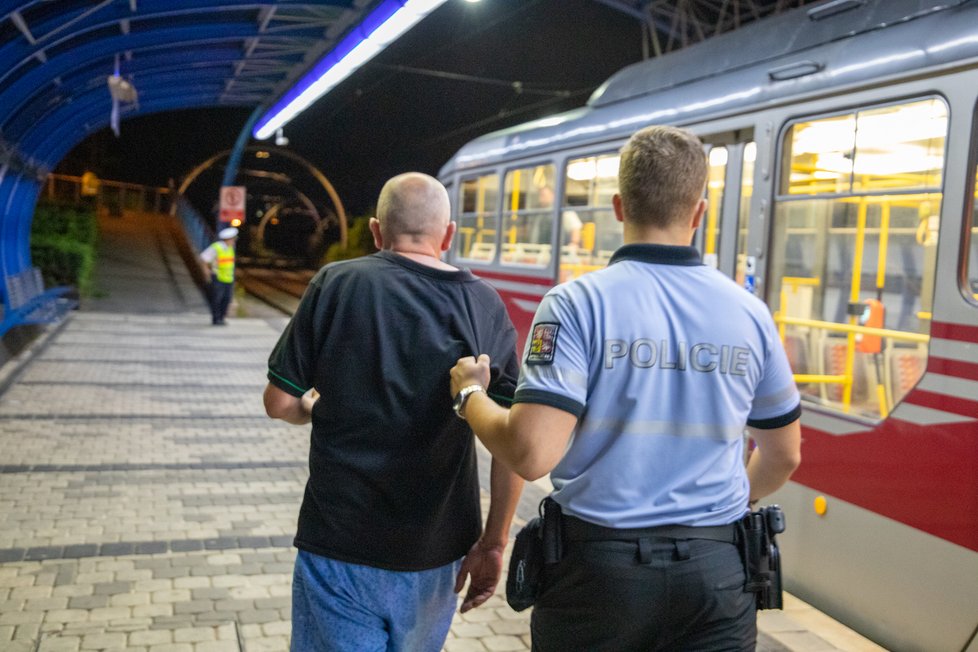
pixel 217 262
pixel 637 383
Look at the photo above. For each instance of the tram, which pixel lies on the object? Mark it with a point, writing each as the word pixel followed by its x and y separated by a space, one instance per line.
pixel 842 142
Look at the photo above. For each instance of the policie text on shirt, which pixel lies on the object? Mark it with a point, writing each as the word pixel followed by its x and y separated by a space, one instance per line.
pixel 704 357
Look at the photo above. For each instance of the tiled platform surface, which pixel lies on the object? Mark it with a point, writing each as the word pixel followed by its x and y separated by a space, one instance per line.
pixel 146 502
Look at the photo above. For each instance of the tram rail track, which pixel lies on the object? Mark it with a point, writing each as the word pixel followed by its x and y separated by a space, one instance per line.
pixel 280 289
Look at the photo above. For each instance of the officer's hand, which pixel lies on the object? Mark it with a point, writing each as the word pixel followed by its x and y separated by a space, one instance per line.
pixel 484 564
pixel 469 371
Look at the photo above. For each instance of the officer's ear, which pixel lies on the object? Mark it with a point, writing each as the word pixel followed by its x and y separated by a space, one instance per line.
pixel 698 215
pixel 374 225
pixel 616 204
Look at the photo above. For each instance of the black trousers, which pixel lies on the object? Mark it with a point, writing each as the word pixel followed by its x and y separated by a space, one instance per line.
pixel 220 296
pixel 644 595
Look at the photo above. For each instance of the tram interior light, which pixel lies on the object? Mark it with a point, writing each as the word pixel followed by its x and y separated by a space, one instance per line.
pixel 897 160
pixel 381 27
pixel 890 141
pixel 918 123
pixel 589 168
pixel 584 170
pixel 750 152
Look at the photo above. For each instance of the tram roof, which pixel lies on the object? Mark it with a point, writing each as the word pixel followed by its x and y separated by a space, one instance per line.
pixel 55 58
pixel 733 72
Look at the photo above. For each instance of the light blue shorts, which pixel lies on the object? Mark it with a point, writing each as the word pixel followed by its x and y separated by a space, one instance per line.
pixel 341 607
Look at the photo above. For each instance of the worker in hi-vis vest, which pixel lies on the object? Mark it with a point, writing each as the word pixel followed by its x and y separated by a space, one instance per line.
pixel 218 263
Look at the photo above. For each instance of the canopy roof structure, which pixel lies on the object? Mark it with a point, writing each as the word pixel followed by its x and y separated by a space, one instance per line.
pixel 56 57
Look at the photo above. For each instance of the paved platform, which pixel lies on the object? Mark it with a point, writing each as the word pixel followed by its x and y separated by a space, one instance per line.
pixel 146 502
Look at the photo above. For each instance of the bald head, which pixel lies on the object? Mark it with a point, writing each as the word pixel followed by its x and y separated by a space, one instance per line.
pixel 413 206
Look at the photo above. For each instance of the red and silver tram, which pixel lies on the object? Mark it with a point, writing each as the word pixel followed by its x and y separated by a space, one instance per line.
pixel 842 144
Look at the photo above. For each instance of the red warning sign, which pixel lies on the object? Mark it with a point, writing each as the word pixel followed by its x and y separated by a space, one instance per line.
pixel 232 205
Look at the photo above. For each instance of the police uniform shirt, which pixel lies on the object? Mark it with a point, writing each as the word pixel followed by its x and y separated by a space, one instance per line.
pixel 664 360
pixel 393 479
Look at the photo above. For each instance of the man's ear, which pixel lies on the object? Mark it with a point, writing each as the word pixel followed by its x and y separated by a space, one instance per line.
pixel 619 211
pixel 374 225
pixel 698 215
pixel 446 242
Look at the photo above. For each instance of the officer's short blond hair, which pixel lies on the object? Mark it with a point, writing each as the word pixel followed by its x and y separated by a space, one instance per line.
pixel 662 174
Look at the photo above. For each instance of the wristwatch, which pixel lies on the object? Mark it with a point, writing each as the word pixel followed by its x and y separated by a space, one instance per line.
pixel 459 404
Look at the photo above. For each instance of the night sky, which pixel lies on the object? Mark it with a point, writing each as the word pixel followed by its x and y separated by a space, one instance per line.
pixel 384 119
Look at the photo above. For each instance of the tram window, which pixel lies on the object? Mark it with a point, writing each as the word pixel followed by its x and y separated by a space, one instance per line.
pixel 528 211
pixel 714 197
pixel 476 238
pixel 819 160
pixel 590 234
pixel 900 147
pixel 743 215
pixel 854 248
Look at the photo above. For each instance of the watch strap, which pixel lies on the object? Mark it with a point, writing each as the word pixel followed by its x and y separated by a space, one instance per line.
pixel 463 396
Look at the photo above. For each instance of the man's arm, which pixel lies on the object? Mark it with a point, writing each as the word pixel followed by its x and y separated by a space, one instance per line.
pixel 484 563
pixel 296 410
pixel 777 455
pixel 529 438
pixel 205 259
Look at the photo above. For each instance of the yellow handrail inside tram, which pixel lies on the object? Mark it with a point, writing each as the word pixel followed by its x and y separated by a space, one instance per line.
pixel 845 379
pixel 900 336
pixel 794 282
pixel 514 204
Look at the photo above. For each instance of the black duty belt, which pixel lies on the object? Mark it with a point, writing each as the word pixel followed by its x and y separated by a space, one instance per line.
pixel 574 529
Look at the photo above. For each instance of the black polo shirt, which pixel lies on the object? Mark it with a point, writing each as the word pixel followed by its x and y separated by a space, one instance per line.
pixel 393 480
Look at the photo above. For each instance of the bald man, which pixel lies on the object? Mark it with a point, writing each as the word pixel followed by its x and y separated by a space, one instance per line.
pixel 390 527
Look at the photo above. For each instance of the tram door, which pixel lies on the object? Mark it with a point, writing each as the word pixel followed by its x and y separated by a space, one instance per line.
pixel 722 238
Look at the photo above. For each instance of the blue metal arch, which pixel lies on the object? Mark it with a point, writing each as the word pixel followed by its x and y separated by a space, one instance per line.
pixel 17 94
pixel 44 111
pixel 150 64
pixel 19 52
pixel 17 197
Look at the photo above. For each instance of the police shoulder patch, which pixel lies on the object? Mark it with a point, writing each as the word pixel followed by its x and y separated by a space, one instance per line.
pixel 543 343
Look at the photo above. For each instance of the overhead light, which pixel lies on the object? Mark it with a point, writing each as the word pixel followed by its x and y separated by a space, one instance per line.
pixel 380 28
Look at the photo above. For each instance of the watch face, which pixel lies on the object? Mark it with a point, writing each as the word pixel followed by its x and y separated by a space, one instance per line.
pixel 457 403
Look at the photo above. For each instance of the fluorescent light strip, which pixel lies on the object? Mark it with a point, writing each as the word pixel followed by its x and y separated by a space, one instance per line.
pixel 378 30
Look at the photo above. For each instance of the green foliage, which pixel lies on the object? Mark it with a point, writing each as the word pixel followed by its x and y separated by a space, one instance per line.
pixel 63 241
pixel 359 242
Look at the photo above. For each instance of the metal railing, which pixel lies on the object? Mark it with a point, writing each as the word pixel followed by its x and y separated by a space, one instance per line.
pixel 111 196
pixel 198 231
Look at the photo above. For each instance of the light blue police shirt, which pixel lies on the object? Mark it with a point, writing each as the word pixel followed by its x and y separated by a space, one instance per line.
pixel 664 360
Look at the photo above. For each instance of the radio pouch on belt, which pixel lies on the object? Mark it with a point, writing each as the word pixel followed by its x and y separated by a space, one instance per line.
pixel 525 564
pixel 539 542
pixel 762 559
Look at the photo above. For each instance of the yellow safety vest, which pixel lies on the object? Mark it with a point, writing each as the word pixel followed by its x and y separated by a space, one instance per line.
pixel 225 263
